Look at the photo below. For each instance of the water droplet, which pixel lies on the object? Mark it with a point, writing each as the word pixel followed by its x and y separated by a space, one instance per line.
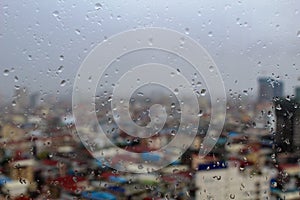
pixel 210 34
pixel 98 6
pixel 200 114
pixel 60 69
pixel 55 13
pixel 173 132
pixel 140 166
pixel 63 83
pixel 232 196
pixel 77 31
pixel 6 72
pixel 74 179
pixel 287 141
pixel 150 41
pixel 172 105
pixel 269 114
pixel 187 31
pixel 29 57
pixel 61 57
pixel 13 103
pixel 217 177
pixel 118 17
pixel 203 92
pixel 211 68
pixel 278 107
pixel 274 184
pixel 16 79
pixel 298 34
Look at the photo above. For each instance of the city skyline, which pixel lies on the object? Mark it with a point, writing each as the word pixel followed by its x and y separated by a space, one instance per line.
pixel 45 51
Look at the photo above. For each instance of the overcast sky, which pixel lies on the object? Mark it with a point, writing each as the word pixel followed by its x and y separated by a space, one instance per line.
pixel 247 39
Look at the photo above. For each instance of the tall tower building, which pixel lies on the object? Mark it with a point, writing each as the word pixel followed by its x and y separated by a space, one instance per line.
pixel 21 99
pixel 287 137
pixel 34 100
pixel 268 89
pixel 297 95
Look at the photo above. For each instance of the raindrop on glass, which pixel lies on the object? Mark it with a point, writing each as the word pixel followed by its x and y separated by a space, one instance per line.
pixel 13 103
pixel 55 13
pixel 203 92
pixel 278 107
pixel 60 69
pixel 200 114
pixel 77 31
pixel 63 83
pixel 98 6
pixel 6 72
pixel 187 31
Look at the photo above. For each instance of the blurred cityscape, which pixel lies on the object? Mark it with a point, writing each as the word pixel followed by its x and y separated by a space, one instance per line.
pixel 256 156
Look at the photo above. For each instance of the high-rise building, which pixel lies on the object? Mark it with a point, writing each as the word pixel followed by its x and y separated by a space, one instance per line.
pixel 297 95
pixel 269 88
pixel 21 99
pixel 34 100
pixel 287 137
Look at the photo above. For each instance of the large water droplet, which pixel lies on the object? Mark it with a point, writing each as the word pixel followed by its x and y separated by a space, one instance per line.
pixel 200 114
pixel 6 72
pixel 278 107
pixel 60 69
pixel 55 13
pixel 13 103
pixel 63 83
pixel 203 92
pixel 98 6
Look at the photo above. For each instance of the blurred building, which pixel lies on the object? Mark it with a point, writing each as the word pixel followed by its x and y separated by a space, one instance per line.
pixel 21 99
pixel 269 88
pixel 34 100
pixel 22 170
pixel 297 95
pixel 11 131
pixel 228 182
pixel 287 137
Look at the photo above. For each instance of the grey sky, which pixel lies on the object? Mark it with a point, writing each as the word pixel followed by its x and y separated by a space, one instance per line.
pixel 246 39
